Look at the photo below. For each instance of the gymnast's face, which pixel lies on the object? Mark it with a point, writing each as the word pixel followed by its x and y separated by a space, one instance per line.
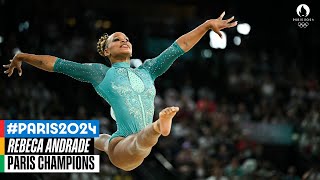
pixel 118 47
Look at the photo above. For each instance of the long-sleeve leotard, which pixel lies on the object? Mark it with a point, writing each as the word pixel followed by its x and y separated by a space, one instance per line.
pixel 129 91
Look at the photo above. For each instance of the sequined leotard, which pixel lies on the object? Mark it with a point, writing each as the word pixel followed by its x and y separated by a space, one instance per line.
pixel 129 91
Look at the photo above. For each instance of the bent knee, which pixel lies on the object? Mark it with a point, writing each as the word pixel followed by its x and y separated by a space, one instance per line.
pixel 127 168
pixel 130 167
pixel 126 165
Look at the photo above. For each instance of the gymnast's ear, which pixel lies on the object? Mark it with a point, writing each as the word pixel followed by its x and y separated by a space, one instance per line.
pixel 106 52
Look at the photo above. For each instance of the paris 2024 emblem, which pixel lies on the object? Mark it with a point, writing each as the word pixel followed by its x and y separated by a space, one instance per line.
pixel 303 20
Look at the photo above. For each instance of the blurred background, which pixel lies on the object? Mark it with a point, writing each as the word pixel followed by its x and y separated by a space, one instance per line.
pixel 249 103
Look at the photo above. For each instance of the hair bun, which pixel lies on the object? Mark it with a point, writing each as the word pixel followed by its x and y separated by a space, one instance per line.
pixel 101 44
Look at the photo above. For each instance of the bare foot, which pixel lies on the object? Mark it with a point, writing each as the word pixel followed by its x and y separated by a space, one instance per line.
pixel 101 143
pixel 163 124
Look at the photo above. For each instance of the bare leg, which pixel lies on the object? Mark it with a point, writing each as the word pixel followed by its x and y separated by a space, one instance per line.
pixel 101 143
pixel 128 153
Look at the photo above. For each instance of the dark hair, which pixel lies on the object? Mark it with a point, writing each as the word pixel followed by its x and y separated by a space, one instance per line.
pixel 102 43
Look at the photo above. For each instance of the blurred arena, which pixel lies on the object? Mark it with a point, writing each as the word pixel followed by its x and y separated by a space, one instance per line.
pixel 249 103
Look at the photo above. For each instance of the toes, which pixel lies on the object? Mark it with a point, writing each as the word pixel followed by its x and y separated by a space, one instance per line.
pixel 170 110
pixel 167 110
pixel 175 109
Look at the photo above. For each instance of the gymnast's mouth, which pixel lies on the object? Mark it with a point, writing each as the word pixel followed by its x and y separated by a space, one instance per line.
pixel 124 46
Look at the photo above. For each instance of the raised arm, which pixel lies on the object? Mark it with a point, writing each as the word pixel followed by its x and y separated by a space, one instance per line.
pixel 184 43
pixel 188 40
pixel 86 72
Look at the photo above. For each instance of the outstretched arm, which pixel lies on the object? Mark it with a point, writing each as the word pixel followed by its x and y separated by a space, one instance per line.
pixel 44 62
pixel 188 40
pixel 86 72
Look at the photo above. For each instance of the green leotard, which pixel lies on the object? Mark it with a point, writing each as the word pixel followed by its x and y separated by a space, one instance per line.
pixel 129 91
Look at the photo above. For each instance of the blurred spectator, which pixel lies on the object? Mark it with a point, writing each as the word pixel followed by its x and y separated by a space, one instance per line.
pixel 217 174
pixel 250 84
pixel 292 174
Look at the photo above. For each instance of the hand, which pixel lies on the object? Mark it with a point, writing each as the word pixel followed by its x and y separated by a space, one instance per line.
pixel 14 63
pixel 218 24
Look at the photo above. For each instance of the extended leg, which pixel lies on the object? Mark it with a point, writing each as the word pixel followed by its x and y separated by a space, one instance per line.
pixel 128 153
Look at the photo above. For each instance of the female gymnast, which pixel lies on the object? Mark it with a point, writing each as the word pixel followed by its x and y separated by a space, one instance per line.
pixel 129 91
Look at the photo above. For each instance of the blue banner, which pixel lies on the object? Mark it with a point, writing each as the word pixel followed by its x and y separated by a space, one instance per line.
pixel 51 128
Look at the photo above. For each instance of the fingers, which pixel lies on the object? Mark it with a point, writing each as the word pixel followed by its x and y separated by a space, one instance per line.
pixel 19 70
pixel 233 24
pixel 10 69
pixel 222 15
pixel 230 19
pixel 6 66
pixel 219 33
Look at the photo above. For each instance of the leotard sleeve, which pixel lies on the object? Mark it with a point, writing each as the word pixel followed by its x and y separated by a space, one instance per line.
pixel 160 64
pixel 92 73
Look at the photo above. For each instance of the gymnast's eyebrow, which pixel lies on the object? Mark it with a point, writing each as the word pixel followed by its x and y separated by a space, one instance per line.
pixel 118 37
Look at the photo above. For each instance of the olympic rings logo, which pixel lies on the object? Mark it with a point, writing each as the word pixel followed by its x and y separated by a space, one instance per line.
pixel 303 24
